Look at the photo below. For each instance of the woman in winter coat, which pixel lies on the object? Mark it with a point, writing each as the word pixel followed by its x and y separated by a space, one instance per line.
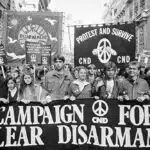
pixel 80 88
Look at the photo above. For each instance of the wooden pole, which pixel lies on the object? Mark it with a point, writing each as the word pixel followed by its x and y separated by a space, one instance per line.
pixel 3 72
pixel 34 67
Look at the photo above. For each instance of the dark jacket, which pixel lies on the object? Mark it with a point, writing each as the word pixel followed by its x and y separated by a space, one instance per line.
pixel 13 98
pixel 136 88
pixel 74 90
pixel 102 93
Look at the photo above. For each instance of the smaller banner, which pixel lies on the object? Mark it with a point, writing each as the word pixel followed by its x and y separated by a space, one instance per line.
pixel 45 54
pixel 38 27
pixel 33 54
pixel 37 53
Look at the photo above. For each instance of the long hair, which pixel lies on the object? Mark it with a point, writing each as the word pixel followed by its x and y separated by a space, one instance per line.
pixel 23 85
pixel 11 78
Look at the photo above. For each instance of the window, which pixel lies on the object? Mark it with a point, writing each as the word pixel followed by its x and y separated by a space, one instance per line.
pixel 141 38
pixel 136 7
pixel 130 13
pixel 142 5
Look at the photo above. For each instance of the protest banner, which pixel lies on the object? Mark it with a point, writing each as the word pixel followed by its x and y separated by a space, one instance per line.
pixel 33 53
pixel 46 54
pixel 38 27
pixel 37 53
pixel 87 123
pixel 102 43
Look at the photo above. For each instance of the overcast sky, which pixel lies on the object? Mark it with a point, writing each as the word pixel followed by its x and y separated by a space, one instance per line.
pixel 77 12
pixel 86 11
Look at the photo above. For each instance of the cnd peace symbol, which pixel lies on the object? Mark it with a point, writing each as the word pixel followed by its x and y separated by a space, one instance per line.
pixel 104 50
pixel 104 55
pixel 100 108
pixel 33 57
pixel 44 60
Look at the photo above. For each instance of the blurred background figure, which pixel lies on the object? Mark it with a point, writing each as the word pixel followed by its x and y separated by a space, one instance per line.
pixel 40 76
pixel 91 73
pixel 18 82
pixel 68 68
pixel 147 75
pixel 142 71
pixel 75 73
pixel 121 74
pixel 28 68
pixel 15 73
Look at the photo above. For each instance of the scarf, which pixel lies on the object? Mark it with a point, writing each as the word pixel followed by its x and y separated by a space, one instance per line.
pixel 13 92
pixel 81 84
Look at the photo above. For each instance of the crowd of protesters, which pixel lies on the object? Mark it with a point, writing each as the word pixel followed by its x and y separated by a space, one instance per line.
pixel 62 82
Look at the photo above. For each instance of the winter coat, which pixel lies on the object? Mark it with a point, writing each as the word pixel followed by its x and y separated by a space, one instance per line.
pixel 80 89
pixel 57 84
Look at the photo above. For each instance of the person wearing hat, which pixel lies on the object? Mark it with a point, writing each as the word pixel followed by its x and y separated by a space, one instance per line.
pixel 57 81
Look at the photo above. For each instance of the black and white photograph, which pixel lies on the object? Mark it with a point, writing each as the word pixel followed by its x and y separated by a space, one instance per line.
pixel 74 74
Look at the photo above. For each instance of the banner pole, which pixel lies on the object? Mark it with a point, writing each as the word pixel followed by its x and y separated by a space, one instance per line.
pixel 34 71
pixel 44 74
pixel 69 37
pixel 3 72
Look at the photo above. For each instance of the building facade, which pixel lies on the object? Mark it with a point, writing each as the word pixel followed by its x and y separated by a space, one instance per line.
pixel 32 5
pixel 128 11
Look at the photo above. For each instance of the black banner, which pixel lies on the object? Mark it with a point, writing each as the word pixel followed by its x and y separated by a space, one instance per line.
pixel 45 54
pixel 33 53
pixel 37 53
pixel 100 44
pixel 85 124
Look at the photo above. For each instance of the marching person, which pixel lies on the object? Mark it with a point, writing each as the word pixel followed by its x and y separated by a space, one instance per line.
pixel 15 73
pixel 147 75
pixel 40 76
pixel 57 81
pixel 75 73
pixel 135 87
pixel 13 93
pixel 68 68
pixel 31 92
pixel 91 73
pixel 80 88
pixel 108 87
pixel 18 82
